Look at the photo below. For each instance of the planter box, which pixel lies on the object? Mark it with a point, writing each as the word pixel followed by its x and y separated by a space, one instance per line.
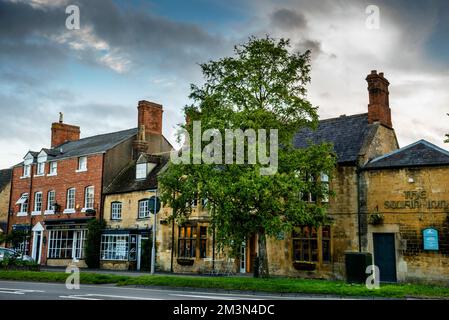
pixel 186 262
pixel 301 265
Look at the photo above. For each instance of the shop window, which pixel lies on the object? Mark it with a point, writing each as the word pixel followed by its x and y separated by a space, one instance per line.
pixel 66 244
pixel 114 247
pixel 203 242
pixel 187 241
pixel 305 244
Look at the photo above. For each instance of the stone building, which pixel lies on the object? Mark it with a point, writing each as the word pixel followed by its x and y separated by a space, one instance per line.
pixel 5 191
pixel 356 139
pixel 406 213
pixel 126 243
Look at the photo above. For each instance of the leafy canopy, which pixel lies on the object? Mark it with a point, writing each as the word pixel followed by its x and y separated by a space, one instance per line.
pixel 263 86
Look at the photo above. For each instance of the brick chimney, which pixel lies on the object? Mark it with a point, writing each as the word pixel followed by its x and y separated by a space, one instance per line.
pixel 379 106
pixel 61 132
pixel 150 116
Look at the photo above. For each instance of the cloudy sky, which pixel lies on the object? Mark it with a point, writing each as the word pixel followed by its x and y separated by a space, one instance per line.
pixel 126 51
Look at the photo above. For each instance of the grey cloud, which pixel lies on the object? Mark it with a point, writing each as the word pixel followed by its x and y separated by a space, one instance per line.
pixel 287 19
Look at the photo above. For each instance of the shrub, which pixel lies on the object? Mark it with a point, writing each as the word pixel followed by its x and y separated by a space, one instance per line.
pixel 93 243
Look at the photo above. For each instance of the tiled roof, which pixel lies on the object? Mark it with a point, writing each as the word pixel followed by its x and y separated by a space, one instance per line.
pixel 420 153
pixel 5 178
pixel 89 145
pixel 346 133
pixel 126 180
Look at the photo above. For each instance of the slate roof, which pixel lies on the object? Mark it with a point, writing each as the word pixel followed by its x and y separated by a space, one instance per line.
pixel 5 178
pixel 420 153
pixel 346 133
pixel 89 145
pixel 126 180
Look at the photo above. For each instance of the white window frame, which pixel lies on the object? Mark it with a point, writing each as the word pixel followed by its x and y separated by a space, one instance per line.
pixel 70 201
pixel 141 171
pixel 51 200
pixel 89 198
pixel 82 164
pixel 65 241
pixel 40 169
pixel 114 247
pixel 116 210
pixel 26 171
pixel 23 203
pixel 324 178
pixel 53 169
pixel 144 209
pixel 37 209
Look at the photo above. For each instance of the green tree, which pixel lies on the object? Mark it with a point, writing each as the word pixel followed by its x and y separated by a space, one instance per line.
pixel 93 243
pixel 262 87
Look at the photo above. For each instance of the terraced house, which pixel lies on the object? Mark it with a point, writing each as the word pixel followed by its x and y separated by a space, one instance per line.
pixel 56 191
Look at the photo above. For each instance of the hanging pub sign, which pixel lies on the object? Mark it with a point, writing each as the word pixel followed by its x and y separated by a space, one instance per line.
pixel 430 238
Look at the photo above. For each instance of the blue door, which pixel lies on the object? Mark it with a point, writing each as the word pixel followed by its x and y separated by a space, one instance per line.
pixel 385 256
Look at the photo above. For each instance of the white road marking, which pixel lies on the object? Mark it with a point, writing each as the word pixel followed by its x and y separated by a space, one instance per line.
pixel 12 292
pixel 77 298
pixel 22 290
pixel 209 297
pixel 90 296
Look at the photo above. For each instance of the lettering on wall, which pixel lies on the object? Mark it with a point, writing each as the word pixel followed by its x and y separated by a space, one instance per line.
pixel 417 200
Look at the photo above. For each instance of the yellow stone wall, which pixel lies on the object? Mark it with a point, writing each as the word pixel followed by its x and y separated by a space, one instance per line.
pixel 388 185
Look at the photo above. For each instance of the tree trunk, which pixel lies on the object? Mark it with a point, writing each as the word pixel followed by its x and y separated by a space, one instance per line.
pixel 263 257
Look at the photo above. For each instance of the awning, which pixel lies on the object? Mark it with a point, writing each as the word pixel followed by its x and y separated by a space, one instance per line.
pixel 23 199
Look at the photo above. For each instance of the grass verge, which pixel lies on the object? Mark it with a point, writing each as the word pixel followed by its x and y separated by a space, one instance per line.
pixel 271 285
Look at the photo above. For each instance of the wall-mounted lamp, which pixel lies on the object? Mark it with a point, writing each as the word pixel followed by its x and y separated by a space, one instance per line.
pixel 411 180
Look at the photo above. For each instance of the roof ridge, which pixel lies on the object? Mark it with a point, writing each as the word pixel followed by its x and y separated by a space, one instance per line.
pixel 344 117
pixel 94 136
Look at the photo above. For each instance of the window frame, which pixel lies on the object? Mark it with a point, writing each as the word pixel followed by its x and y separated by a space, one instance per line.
pixel 89 197
pixel 24 204
pixel 53 168
pixel 66 244
pixel 115 211
pixel 68 199
pixel 139 211
pixel 141 171
pixel 108 249
pixel 49 206
pixel 37 206
pixel 40 169
pixel 187 238
pixel 82 160
pixel 26 171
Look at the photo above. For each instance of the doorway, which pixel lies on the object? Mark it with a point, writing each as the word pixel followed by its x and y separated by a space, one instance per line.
pixel 36 251
pixel 385 256
pixel 143 253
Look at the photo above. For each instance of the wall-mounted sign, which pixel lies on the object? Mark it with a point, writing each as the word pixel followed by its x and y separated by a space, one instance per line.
pixel 417 200
pixel 430 238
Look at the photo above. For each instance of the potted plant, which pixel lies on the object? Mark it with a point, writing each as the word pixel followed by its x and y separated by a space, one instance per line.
pixel 376 218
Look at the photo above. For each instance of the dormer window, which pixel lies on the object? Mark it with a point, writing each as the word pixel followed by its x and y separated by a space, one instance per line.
pixel 141 171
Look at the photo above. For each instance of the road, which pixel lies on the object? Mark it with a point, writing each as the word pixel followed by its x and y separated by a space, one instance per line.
pixel 16 290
